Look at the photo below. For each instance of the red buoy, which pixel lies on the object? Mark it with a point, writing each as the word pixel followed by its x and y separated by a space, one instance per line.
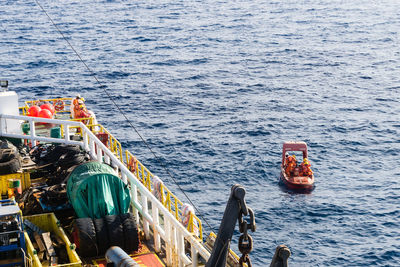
pixel 45 113
pixel 33 111
pixel 49 107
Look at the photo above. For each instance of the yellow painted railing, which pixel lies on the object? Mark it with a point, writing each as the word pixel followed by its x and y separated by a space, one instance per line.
pixel 66 100
pixel 23 110
pixel 112 143
pixel 168 199
pixel 84 120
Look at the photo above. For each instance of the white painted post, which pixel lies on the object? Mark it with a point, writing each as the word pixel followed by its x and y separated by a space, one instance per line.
pixel 85 141
pixel 157 242
pixel 195 257
pixel 33 132
pixel 66 133
pixel 124 178
pixel 135 200
pixel 180 248
pixel 99 154
pixel 116 168
pixel 168 240
pixel 106 159
pixel 91 146
pixel 145 208
pixel 174 244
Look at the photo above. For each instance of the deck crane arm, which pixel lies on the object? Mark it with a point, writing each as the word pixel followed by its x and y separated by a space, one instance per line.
pixel 234 211
pixel 235 208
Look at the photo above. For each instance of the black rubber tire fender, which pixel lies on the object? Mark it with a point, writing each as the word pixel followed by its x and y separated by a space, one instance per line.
pixel 70 159
pixel 5 144
pixel 7 155
pixel 11 166
pixel 7 151
pixel 115 230
pixel 86 234
pixel 131 235
pixel 56 152
pixel 102 235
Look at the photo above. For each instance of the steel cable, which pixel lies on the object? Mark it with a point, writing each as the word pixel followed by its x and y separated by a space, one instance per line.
pixel 123 114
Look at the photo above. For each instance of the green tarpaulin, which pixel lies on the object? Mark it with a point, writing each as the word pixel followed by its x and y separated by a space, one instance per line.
pixel 94 191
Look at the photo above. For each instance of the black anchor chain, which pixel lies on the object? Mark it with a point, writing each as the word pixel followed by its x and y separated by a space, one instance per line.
pixel 245 240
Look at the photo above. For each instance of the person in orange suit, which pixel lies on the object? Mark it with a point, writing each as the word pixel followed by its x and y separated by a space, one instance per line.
pixel 81 111
pixel 291 164
pixel 78 100
pixel 286 162
pixel 305 168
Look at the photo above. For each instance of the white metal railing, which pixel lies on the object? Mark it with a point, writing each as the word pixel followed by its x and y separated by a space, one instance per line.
pixel 171 231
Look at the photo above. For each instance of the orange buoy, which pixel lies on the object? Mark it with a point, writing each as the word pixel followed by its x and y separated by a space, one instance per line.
pixel 34 111
pixel 49 107
pixel 45 113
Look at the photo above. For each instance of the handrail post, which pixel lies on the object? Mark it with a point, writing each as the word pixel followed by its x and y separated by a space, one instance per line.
pixel 85 141
pixel 91 147
pixel 134 198
pixel 176 208
pixel 180 247
pixel 66 132
pixel 145 222
pixel 33 132
pixel 168 240
pixel 99 154
pixel 120 152
pixel 148 184
pixel 162 193
pixel 194 255
pixel 157 242
pixel 124 178
pixel 107 159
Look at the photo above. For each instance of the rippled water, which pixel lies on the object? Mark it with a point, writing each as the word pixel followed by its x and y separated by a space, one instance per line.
pixel 215 87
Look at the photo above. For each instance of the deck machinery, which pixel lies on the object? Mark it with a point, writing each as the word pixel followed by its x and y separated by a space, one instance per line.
pixel 12 240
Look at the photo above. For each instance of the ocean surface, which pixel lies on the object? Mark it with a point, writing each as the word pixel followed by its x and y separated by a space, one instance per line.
pixel 216 87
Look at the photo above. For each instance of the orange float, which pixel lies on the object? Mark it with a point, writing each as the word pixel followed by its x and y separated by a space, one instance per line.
pixel 45 113
pixel 34 111
pixel 49 107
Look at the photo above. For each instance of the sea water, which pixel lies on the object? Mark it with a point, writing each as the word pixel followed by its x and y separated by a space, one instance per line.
pixel 216 87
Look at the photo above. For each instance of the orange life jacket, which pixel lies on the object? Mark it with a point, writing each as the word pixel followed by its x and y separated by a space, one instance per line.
pixel 82 113
pixel 76 111
pixel 75 101
pixel 306 169
pixel 290 165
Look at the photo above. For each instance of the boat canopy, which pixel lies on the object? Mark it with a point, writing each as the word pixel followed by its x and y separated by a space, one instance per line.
pixel 294 146
pixel 94 191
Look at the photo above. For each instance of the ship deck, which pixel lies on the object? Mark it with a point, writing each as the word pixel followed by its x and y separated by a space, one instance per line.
pixel 165 241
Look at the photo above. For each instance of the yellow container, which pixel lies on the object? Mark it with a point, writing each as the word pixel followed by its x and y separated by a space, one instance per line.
pixel 49 223
pixel 25 178
pixel 32 252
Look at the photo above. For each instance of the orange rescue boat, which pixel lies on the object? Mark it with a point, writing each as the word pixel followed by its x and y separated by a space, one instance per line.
pixel 293 176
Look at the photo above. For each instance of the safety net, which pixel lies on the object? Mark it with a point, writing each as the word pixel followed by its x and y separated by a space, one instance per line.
pixel 94 191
